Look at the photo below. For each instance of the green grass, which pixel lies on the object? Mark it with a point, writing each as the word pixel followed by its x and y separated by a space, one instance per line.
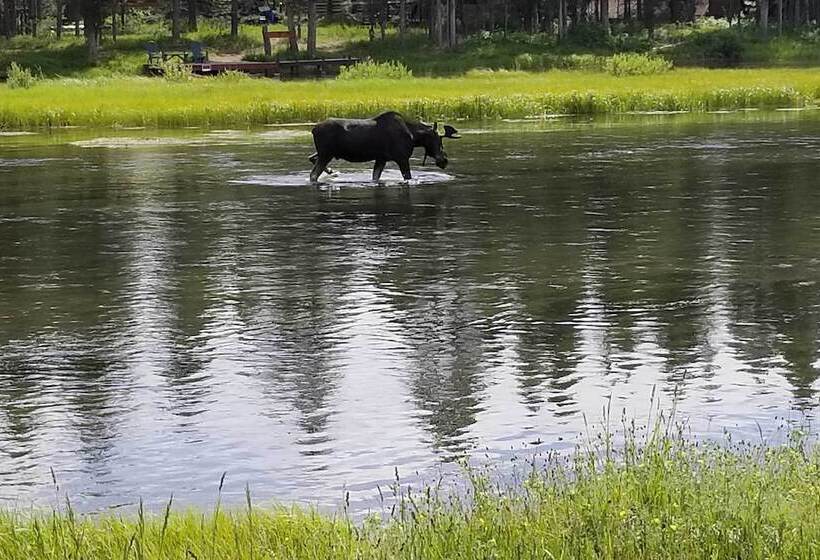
pixel 658 495
pixel 478 95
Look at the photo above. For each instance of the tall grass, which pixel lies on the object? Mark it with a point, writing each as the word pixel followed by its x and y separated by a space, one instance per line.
pixel 479 95
pixel 20 77
pixel 658 494
pixel 370 70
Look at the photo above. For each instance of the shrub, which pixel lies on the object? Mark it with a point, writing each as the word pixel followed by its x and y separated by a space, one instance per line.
pixel 632 64
pixel 526 61
pixel 721 46
pixel 175 72
pixel 19 77
pixel 370 70
pixel 232 76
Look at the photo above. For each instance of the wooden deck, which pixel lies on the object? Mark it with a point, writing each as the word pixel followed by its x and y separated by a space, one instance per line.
pixel 308 68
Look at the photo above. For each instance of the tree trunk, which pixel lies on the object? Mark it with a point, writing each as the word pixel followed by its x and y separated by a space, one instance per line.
pixel 440 23
pixel 59 19
pixel 10 7
pixel 311 38
pixel 533 17
pixel 114 21
pixel 605 15
pixel 293 43
pixel 383 19
pixel 562 19
pixel 175 32
pixel 451 23
pixel 763 5
pixel 122 14
pixel 234 18
pixel 402 18
pixel 91 21
pixel 35 16
pixel 193 15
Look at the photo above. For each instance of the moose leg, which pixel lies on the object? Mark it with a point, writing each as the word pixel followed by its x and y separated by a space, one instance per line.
pixel 318 166
pixel 377 170
pixel 404 166
pixel 313 159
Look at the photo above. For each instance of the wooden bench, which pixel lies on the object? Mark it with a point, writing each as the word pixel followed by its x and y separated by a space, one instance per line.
pixel 290 36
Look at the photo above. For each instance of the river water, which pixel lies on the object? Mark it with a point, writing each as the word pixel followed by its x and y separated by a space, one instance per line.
pixel 178 305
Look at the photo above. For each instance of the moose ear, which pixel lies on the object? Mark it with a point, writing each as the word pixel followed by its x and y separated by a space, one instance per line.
pixel 450 132
pixel 435 126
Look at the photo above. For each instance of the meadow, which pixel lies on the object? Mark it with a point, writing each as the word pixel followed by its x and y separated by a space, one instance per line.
pixel 658 494
pixel 239 101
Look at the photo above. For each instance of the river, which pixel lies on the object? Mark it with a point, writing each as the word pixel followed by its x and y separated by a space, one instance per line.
pixel 175 305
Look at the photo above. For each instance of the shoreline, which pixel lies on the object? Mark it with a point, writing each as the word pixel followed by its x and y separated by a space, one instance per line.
pixel 658 494
pixel 156 103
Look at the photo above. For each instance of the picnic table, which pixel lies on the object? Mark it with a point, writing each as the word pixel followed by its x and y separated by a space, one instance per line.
pixel 196 53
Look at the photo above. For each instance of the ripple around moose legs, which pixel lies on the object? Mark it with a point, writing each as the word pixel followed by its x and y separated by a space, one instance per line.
pixel 165 317
pixel 345 178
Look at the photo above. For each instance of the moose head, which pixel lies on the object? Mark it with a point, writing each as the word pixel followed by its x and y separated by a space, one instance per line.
pixel 429 138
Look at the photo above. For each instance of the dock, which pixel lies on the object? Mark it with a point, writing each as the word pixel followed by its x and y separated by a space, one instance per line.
pixel 282 69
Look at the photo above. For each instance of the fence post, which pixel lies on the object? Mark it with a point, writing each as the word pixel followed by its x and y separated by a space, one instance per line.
pixel 266 40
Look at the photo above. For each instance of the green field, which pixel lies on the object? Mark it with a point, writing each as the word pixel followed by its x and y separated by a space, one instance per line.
pixel 477 95
pixel 663 498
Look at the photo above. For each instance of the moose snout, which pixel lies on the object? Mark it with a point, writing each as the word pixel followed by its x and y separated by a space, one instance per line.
pixel 442 162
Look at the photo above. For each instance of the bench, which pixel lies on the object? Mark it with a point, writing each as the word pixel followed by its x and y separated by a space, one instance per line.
pixel 290 36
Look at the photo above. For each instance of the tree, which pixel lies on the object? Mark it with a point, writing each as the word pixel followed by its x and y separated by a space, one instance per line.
pixel 9 13
pixel 311 38
pixel 175 31
pixel 292 12
pixel 193 13
pixel 91 11
pixel 764 16
pixel 234 18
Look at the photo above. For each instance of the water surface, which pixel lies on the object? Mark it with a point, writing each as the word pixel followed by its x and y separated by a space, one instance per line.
pixel 173 306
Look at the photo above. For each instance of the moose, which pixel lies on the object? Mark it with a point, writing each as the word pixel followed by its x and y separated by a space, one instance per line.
pixel 386 137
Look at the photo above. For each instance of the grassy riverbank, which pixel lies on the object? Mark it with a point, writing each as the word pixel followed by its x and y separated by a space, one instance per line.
pixel 669 498
pixel 477 95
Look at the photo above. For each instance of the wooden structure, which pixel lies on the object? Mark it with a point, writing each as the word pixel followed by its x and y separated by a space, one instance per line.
pixel 284 69
pixel 290 36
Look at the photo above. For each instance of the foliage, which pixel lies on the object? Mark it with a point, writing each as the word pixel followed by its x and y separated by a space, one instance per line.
pixel 232 77
pixel 371 70
pixel 721 46
pixel 637 65
pixel 19 77
pixel 173 71
pixel 656 494
pixel 626 64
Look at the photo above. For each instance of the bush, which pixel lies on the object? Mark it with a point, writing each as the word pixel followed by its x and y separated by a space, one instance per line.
pixel 175 72
pixel 721 46
pixel 232 76
pixel 526 61
pixel 370 70
pixel 636 65
pixel 19 77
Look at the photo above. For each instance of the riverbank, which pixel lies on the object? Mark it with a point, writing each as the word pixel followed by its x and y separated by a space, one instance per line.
pixel 669 498
pixel 239 101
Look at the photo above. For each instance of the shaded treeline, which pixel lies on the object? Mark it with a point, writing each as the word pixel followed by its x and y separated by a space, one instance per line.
pixel 446 22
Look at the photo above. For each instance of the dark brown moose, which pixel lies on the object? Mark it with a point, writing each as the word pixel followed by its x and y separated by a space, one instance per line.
pixel 386 137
